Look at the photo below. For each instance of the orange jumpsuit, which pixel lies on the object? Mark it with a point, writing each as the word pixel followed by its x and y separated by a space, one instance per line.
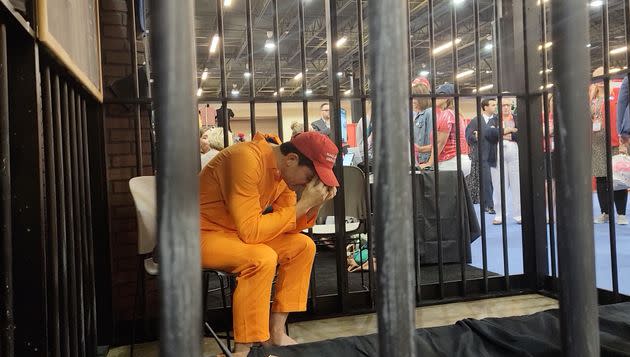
pixel 235 188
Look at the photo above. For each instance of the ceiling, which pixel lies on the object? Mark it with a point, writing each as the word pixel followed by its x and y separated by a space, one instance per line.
pixel 236 46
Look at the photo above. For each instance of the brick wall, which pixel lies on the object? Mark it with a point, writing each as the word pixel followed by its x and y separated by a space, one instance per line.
pixel 120 151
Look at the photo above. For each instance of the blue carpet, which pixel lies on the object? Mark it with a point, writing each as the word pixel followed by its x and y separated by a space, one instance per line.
pixel 603 264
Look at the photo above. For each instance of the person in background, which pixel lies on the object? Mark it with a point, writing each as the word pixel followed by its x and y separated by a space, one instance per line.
pixel 221 121
pixel 623 115
pixel 509 162
pixel 212 140
pixel 484 155
pixel 296 128
pixel 322 124
pixel 447 137
pixel 422 123
pixel 599 160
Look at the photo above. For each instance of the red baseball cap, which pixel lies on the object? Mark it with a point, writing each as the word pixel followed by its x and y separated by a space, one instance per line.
pixel 321 151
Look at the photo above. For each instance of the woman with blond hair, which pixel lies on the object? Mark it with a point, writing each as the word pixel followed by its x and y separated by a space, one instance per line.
pixel 212 142
pixel 598 151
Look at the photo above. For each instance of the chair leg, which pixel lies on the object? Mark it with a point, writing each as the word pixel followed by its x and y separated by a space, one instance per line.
pixel 226 311
pixel 204 295
pixel 139 286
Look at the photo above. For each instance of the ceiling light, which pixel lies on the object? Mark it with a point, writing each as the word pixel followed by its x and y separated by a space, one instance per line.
pixel 588 45
pixel 341 41
pixel 247 74
pixel 348 92
pixel 445 46
pixel 465 73
pixel 596 3
pixel 204 75
pixel 281 89
pixel 235 92
pixel 547 45
pixel 339 74
pixel 269 44
pixel 488 72
pixel 298 76
pixel 546 71
pixel 275 94
pixel 548 86
pixel 458 2
pixel 214 43
pixel 227 3
pixel 199 92
pixel 619 50
pixel 309 92
pixel 483 88
pixel 424 73
pixel 488 46
pixel 614 70
pixel 538 3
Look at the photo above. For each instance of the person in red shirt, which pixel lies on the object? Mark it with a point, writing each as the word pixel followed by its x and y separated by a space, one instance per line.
pixel 447 137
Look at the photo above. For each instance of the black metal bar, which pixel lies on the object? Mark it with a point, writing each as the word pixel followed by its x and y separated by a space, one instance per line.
pixel 7 324
pixel 83 242
pixel 68 116
pixel 133 52
pixel 303 64
pixel 51 207
pixel 224 111
pixel 388 56
pixel 178 160
pixel 609 153
pixel 276 39
pixel 92 343
pixel 335 127
pixel 366 148
pixel 458 149
pixel 578 300
pixel 78 221
pixel 252 71
pixel 60 115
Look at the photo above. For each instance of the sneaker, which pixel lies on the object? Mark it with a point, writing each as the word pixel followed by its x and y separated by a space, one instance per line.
pixel 497 220
pixel 518 219
pixel 603 218
pixel 151 267
pixel 622 220
pixel 491 211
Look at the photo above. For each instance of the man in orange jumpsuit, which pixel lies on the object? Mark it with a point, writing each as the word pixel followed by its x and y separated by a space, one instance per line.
pixel 251 222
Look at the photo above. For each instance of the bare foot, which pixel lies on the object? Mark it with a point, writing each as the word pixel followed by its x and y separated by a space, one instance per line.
pixel 282 339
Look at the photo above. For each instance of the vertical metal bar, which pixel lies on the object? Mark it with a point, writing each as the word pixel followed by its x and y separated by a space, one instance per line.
pixel 131 33
pixel 83 242
pixel 68 116
pixel 388 55
pixel 60 115
pixel 224 111
pixel 578 298
pixel 303 64
pixel 89 237
pixel 611 196
pixel 78 252
pixel 480 144
pixel 178 210
pixel 458 151
pixel 366 148
pixel 436 171
pixel 51 207
pixel 335 127
pixel 7 342
pixel 547 139
pixel 250 62
pixel 276 39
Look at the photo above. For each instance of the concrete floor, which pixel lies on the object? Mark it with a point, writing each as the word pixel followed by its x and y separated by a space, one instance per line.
pixel 430 316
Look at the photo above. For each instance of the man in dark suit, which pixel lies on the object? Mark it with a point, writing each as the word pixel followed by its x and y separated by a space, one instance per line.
pixel 323 124
pixel 486 152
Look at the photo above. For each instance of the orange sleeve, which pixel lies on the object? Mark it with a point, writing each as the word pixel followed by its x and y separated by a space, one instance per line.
pixel 239 185
pixel 289 199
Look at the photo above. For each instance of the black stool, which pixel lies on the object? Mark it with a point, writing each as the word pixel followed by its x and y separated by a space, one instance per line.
pixel 223 284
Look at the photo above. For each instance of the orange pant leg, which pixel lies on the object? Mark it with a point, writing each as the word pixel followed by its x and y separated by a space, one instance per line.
pixel 295 257
pixel 255 265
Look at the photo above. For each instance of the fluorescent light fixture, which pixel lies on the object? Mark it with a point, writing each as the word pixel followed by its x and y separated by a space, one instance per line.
pixel 550 85
pixel 339 74
pixel 214 43
pixel 309 92
pixel 298 76
pixel 227 3
pixel 539 2
pixel 247 74
pixel 596 3
pixel 341 41
pixel 199 92
pixel 618 50
pixel 546 71
pixel 465 73
pixel 269 44
pixel 488 46
pixel 204 75
pixel 488 71
pixel 424 73
pixel 588 45
pixel 446 46
pixel 458 2
pixel 235 92
pixel 281 89
pixel 614 70
pixel 486 87
pixel 348 92
pixel 547 45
